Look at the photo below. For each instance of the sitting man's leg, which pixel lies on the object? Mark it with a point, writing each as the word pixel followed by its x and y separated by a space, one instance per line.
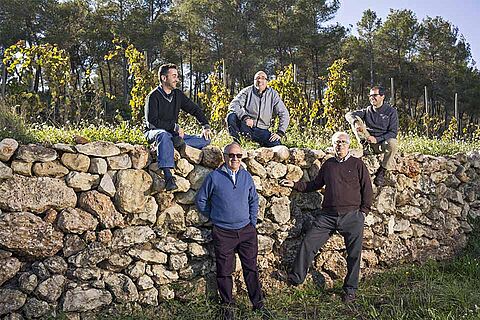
pixel 196 141
pixel 165 159
pixel 237 128
pixel 389 149
pixel 262 136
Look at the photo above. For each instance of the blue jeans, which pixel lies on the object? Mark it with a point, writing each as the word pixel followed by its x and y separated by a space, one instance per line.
pixel 165 149
pixel 237 127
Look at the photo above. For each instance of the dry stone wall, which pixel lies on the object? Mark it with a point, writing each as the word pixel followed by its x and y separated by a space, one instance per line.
pixel 88 227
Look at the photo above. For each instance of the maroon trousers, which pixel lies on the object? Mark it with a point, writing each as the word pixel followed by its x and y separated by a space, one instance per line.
pixel 245 242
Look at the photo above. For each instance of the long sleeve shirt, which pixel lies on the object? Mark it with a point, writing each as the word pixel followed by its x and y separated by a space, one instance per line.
pixel 382 123
pixel 347 186
pixel 228 204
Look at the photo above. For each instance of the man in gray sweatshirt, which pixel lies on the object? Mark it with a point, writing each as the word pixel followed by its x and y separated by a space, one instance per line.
pixel 253 111
pixel 376 128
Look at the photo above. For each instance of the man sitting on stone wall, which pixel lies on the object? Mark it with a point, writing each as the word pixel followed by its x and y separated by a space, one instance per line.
pixel 375 128
pixel 162 107
pixel 347 199
pixel 253 110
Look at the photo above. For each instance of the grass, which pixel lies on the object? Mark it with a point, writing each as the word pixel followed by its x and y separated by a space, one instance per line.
pixel 445 290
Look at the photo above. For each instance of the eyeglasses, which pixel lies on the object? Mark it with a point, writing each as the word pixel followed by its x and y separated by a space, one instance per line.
pixel 233 155
pixel 261 78
pixel 341 142
pixel 375 95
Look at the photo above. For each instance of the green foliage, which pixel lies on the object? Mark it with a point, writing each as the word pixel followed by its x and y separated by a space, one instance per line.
pixel 12 125
pixel 451 133
pixel 216 99
pixel 335 97
pixel 24 61
pixel 143 79
pixel 294 98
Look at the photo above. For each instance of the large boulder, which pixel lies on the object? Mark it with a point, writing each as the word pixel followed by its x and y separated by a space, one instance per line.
pixel 102 207
pixel 124 238
pixel 75 220
pixel 81 300
pixel 131 187
pixel 29 235
pixel 36 152
pixel 49 169
pixel 35 194
pixel 98 149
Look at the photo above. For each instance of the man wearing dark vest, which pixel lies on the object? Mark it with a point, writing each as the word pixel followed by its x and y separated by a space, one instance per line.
pixel 162 107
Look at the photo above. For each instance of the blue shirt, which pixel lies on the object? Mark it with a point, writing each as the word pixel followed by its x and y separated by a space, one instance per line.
pixel 229 205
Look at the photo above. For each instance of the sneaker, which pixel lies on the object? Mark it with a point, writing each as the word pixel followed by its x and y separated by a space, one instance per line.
pixel 170 184
pixel 348 298
pixel 380 177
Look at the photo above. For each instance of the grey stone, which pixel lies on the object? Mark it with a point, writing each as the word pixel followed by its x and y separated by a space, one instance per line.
pixel 106 186
pixel 34 152
pixel 122 287
pixel 197 176
pixel 51 289
pixel 5 172
pixel 175 218
pixel 127 237
pixel 178 261
pixel 149 255
pixel 40 270
pixel 73 244
pixel 136 270
pixel 56 265
pixel 193 155
pixel 8 147
pixel 280 209
pixel 145 282
pixel 100 149
pixel 118 262
pixel 27 234
pixel 183 167
pixel 11 300
pixel 75 220
pixel 49 169
pixel 22 167
pixel 171 245
pixel 276 170
pixel 148 297
pixel 255 168
pixel 10 267
pixel 76 161
pixel 212 156
pixel 27 282
pixel 98 166
pixel 81 300
pixel 35 308
pixel 119 162
pixel 91 256
pixel 265 244
pixel 16 194
pixel 148 216
pixel 81 181
pixel 63 147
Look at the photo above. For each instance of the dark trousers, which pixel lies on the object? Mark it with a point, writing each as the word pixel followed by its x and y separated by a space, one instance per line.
pixel 350 226
pixel 238 128
pixel 245 242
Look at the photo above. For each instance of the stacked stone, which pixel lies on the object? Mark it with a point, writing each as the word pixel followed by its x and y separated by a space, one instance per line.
pixel 90 226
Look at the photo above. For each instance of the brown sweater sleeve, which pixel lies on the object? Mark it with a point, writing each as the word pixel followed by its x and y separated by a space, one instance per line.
pixel 310 186
pixel 365 189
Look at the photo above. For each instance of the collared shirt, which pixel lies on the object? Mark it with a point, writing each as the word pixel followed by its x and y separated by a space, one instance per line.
pixel 233 174
pixel 344 159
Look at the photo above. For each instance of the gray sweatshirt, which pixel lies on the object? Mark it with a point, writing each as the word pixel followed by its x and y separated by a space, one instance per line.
pixel 249 103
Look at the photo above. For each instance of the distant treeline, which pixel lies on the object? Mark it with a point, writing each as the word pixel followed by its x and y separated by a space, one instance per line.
pixel 245 35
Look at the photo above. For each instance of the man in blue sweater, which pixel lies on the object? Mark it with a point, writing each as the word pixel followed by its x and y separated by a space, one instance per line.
pixel 376 128
pixel 229 199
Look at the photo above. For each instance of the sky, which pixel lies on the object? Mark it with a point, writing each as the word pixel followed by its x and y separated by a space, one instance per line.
pixel 464 14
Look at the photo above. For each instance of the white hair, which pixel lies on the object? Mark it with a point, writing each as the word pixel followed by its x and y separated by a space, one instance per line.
pixel 339 134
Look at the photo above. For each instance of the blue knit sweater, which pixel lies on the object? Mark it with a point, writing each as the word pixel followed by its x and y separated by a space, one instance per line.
pixel 229 206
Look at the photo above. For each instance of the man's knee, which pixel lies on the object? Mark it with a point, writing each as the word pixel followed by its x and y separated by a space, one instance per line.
pixel 231 119
pixel 391 145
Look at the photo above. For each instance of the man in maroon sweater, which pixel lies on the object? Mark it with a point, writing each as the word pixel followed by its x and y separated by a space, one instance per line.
pixel 347 199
